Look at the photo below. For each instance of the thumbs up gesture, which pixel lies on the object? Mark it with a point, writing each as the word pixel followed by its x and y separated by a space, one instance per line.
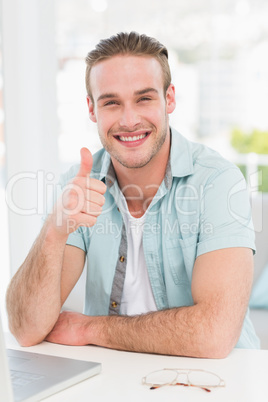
pixel 82 199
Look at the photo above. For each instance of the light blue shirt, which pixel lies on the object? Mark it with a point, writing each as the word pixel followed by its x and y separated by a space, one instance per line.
pixel 202 205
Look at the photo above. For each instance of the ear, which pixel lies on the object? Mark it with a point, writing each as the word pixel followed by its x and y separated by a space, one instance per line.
pixel 91 109
pixel 170 99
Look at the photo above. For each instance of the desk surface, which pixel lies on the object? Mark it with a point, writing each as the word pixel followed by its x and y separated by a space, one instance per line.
pixel 244 371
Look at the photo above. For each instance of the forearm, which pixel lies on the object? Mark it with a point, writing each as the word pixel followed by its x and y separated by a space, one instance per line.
pixel 186 331
pixel 33 297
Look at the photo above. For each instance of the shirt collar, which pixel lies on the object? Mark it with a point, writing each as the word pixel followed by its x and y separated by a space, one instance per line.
pixel 102 167
pixel 181 161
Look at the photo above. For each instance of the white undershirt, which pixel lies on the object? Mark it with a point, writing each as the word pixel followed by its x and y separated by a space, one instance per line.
pixel 137 297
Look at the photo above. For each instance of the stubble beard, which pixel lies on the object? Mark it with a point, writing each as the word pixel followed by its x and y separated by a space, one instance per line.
pixel 144 160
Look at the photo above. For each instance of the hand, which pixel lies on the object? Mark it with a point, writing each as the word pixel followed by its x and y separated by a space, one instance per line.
pixel 70 329
pixel 82 199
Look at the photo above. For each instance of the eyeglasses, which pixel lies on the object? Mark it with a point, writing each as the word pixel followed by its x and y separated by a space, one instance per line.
pixel 187 377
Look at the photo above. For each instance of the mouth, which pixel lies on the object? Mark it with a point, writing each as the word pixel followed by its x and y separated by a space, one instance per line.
pixel 133 139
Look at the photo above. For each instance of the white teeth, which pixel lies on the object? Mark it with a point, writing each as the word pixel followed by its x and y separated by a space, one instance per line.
pixel 135 138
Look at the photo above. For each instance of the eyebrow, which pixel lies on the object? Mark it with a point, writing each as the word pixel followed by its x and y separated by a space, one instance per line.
pixel 145 91
pixel 115 95
pixel 107 96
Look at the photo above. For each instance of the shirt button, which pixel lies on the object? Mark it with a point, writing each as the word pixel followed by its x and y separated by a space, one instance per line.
pixel 122 258
pixel 114 304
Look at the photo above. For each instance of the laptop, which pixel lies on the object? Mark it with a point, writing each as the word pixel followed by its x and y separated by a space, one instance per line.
pixel 27 376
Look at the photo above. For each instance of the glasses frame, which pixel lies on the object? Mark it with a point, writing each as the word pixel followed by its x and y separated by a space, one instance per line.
pixel 177 372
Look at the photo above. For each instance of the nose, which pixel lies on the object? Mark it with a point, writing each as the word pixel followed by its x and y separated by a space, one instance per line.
pixel 130 117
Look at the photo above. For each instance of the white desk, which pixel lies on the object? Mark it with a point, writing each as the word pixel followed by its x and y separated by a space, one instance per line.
pixel 244 371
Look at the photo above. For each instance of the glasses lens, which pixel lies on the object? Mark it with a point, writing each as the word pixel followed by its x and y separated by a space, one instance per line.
pixel 161 377
pixel 203 378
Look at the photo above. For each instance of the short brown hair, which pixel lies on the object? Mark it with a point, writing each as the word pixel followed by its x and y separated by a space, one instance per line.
pixel 128 43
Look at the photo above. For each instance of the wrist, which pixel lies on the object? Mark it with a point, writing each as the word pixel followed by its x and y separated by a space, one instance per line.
pixel 54 233
pixel 95 331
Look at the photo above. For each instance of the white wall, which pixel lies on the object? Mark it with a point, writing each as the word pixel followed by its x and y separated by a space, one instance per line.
pixel 31 126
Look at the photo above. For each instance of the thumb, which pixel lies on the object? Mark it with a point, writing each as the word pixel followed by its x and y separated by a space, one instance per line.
pixel 86 162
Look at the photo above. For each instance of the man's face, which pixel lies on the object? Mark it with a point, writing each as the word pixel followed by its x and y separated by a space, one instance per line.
pixel 130 108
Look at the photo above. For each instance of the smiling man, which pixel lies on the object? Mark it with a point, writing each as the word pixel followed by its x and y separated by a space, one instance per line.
pixel 164 223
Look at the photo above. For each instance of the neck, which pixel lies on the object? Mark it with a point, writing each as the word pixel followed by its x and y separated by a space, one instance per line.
pixel 140 185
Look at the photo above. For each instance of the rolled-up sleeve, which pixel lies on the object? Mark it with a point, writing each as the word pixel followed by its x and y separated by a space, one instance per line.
pixel 225 215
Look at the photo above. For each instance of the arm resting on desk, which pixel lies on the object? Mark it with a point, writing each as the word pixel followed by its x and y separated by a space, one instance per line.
pixel 210 328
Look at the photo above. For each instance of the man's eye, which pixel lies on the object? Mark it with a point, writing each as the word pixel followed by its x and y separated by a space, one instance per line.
pixel 145 99
pixel 110 103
